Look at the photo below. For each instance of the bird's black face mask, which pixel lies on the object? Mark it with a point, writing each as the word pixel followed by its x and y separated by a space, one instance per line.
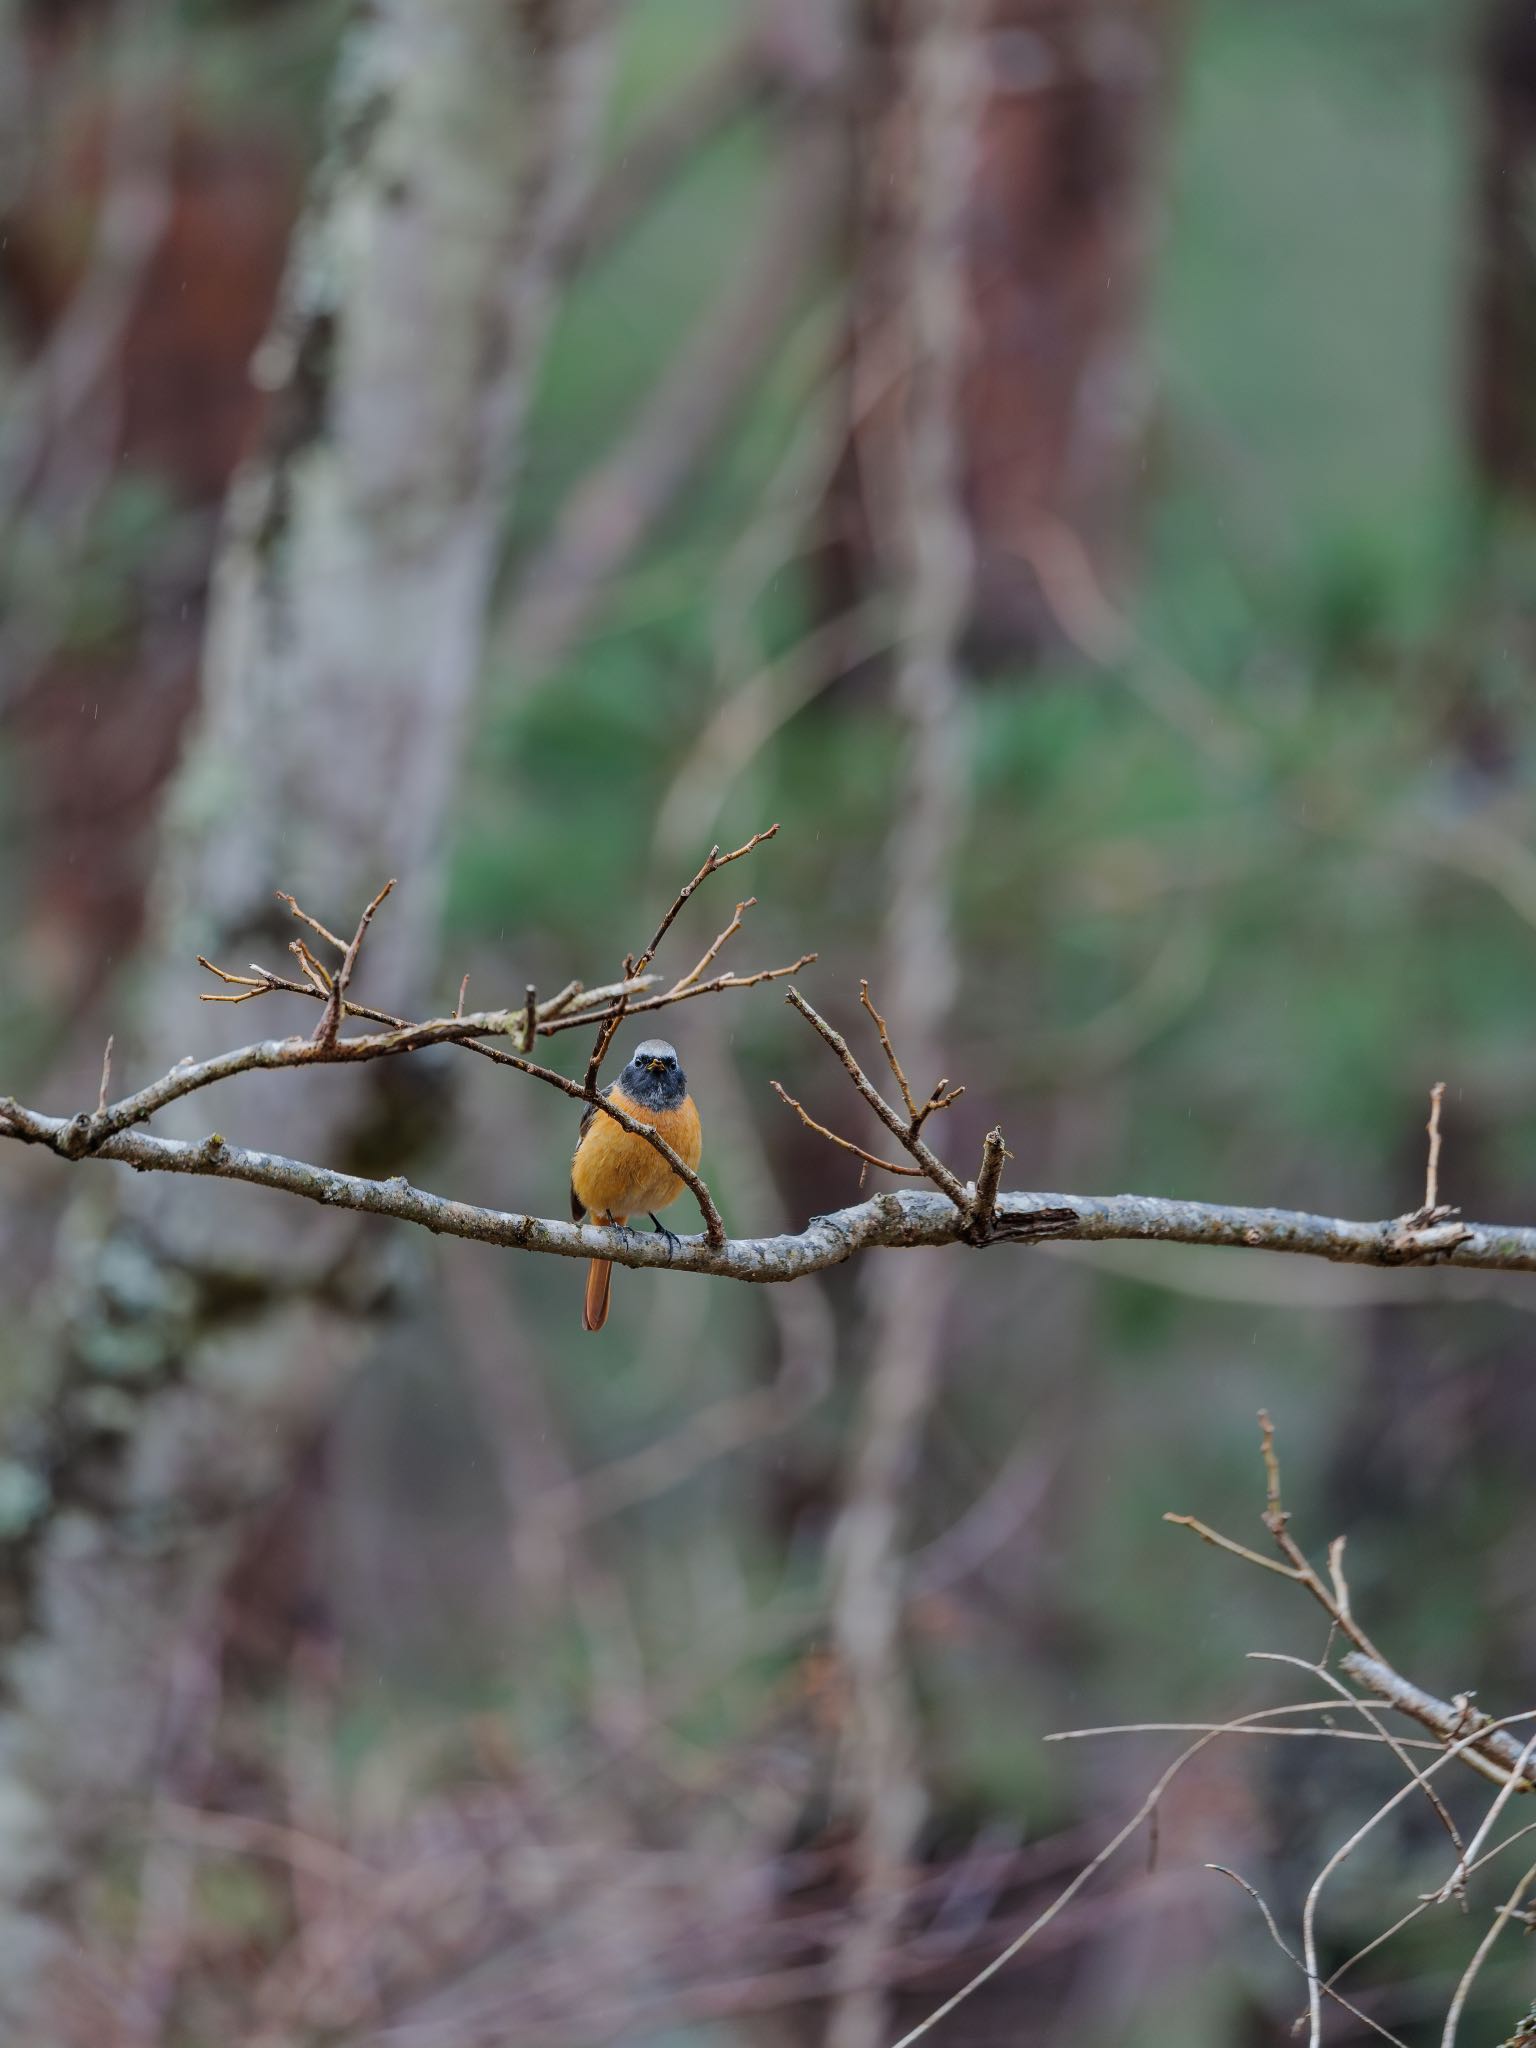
pixel 654 1077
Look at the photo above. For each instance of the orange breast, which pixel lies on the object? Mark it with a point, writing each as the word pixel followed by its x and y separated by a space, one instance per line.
pixel 615 1173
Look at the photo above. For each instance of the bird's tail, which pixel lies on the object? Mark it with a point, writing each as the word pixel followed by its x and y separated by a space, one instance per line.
pixel 594 1307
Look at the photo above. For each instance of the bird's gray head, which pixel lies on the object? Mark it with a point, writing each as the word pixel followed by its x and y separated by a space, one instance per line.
pixel 654 1077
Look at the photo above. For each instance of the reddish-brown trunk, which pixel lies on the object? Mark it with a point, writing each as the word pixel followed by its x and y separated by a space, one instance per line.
pixel 98 704
pixel 1503 341
pixel 1055 396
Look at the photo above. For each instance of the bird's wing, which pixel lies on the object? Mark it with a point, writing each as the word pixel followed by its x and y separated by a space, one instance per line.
pixel 578 1209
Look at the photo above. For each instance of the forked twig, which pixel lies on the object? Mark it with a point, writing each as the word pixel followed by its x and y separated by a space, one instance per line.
pixel 889 1050
pixel 904 1130
pixel 716 860
pixel 329 1027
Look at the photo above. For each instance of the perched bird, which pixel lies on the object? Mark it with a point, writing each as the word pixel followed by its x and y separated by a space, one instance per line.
pixel 616 1175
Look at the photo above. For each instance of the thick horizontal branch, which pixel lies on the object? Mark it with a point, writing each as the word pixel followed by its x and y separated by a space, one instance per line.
pixel 893 1221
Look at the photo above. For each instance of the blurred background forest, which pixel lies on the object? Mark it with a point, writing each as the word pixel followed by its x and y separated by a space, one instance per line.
pixel 1071 462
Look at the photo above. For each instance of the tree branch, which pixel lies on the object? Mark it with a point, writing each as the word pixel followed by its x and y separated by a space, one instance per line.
pixel 905 1221
pixel 87 1134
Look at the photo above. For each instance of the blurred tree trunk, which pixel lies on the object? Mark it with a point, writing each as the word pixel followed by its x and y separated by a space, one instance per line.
pixel 200 1337
pixel 1061 234
pixel 1503 340
pixel 130 387
pixel 919 174
pixel 1068 203
pixel 1004 182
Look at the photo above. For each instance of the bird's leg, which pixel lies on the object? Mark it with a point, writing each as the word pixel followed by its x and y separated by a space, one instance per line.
pixel 673 1240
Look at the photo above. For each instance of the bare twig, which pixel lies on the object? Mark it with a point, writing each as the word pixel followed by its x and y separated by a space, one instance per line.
pixel 903 1130
pixel 329 1027
pixel 313 922
pixel 889 1050
pixel 1291 1956
pixel 574 1009
pixel 1519 1780
pixel 609 1027
pixel 994 1156
pixel 693 975
pixel 712 866
pixel 106 1077
pixel 1220 1542
pixel 1333 1599
pixel 1501 1920
pixel 315 971
pixel 1383 1734
pixel 1144 1812
pixel 847 1144
pixel 1432 1171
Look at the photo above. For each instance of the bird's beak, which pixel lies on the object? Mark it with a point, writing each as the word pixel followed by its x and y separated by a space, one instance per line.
pixel 657 1066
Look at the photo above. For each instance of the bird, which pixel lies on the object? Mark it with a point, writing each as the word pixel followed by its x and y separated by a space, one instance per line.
pixel 616 1175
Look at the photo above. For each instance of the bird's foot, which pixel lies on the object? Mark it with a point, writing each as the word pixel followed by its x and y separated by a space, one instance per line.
pixel 673 1240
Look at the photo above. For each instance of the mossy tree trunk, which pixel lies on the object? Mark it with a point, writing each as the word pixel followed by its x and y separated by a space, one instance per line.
pixel 200 1337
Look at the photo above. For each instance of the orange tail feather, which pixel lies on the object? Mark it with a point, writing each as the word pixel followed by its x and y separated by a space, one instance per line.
pixel 594 1309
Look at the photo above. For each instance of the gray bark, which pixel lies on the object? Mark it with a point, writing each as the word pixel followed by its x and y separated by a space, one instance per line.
pixel 928 557
pixel 199 1336
pixel 891 1221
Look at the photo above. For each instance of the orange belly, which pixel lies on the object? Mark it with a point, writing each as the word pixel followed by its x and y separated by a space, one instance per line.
pixel 614 1173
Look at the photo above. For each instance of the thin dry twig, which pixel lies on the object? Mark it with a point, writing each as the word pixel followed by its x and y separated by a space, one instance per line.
pixel 1435 1216
pixel 889 1050
pixel 313 922
pixel 1501 1920
pixel 1519 1780
pixel 329 1027
pixel 609 1027
pixel 904 1130
pixel 315 970
pixel 106 1077
pixel 1144 1812
pixel 1295 1564
pixel 694 973
pixel 1291 1956
pixel 1432 1171
pixel 1382 1734
pixel 989 1181
pixel 847 1144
